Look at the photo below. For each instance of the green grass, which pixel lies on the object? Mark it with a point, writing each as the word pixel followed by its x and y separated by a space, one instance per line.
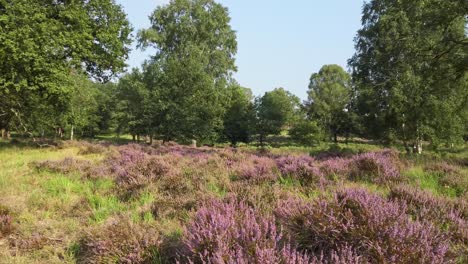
pixel 428 181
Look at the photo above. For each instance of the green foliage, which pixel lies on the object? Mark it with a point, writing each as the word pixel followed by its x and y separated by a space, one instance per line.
pixel 240 115
pixel 306 132
pixel 329 100
pixel 132 97
pixel 410 70
pixel 275 110
pixel 42 42
pixel 195 48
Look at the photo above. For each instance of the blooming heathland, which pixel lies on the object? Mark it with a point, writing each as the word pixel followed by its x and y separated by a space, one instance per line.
pixel 97 203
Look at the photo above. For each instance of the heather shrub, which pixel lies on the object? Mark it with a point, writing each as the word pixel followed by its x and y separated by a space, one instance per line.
pixel 440 167
pixel 337 167
pixel 302 168
pixel 455 181
pixel 261 197
pixel 232 232
pixel 378 167
pixel 423 206
pixel 6 221
pixel 256 169
pixel 67 165
pixel 29 243
pixel 377 230
pixel 118 241
pixel 89 148
pixel 173 207
pixel 134 169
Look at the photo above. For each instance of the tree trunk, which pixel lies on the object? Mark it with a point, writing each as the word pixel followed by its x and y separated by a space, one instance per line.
pixel 138 138
pixel 151 140
pixel 72 132
pixel 3 133
pixel 335 138
pixel 133 137
pixel 407 148
pixel 194 143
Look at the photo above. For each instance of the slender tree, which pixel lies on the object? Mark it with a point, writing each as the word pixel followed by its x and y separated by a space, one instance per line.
pixel 329 98
pixel 275 110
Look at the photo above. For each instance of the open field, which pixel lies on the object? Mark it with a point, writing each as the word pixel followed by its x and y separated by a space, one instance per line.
pixel 91 203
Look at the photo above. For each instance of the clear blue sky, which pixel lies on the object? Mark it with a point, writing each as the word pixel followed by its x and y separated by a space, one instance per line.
pixel 280 43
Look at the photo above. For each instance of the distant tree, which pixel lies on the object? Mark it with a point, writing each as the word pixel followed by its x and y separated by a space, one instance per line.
pixel 306 132
pixel 42 42
pixel 275 110
pixel 82 110
pixel 240 115
pixel 132 96
pixel 106 99
pixel 195 48
pixel 329 98
pixel 410 70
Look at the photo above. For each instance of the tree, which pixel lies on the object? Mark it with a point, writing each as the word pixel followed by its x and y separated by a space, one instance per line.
pixel 410 70
pixel 83 108
pixel 306 132
pixel 194 61
pixel 240 115
pixel 275 110
pixel 42 42
pixel 132 97
pixel 329 98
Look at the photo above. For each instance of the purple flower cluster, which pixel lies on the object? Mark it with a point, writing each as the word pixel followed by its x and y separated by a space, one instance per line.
pixel 256 169
pixel 378 167
pixel 377 230
pixel 232 232
pixel 133 167
pixel 443 212
pixel 119 241
pixel 303 168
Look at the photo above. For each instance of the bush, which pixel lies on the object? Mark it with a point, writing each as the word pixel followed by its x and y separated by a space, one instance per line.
pixel 256 169
pixel 6 222
pixel 377 230
pixel 67 165
pixel 118 241
pixel 302 168
pixel 89 148
pixel 423 206
pixel 232 232
pixel 378 167
pixel 133 168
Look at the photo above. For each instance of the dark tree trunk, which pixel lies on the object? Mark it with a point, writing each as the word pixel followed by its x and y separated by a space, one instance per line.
pixel 335 138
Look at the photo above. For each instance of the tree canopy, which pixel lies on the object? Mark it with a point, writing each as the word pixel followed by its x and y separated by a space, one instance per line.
pixel 195 48
pixel 329 99
pixel 410 69
pixel 43 42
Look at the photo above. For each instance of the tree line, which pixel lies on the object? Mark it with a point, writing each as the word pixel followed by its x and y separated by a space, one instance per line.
pixel 61 65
